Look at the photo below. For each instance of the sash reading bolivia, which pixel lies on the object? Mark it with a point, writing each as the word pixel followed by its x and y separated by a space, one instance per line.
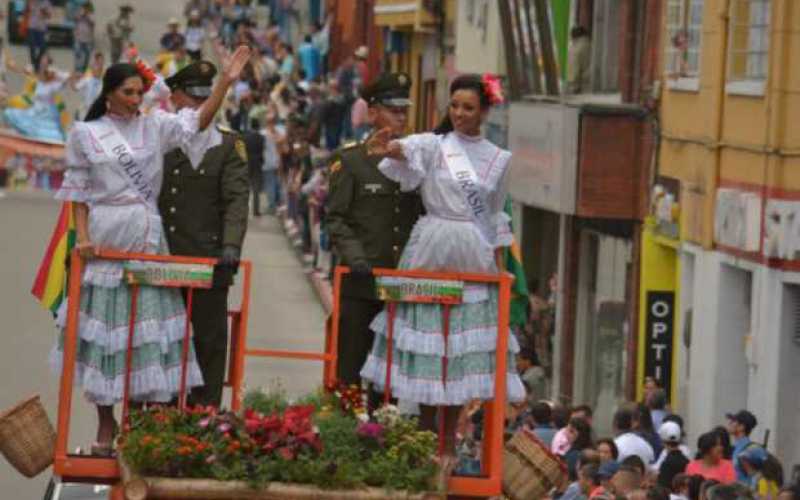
pixel 50 284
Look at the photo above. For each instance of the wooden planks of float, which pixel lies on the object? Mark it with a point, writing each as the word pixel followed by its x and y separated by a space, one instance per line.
pixel 156 488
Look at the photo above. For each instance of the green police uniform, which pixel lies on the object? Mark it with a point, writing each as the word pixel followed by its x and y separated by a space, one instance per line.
pixel 204 209
pixel 369 221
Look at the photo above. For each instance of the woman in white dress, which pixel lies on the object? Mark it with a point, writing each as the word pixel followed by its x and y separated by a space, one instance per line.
pixel 462 177
pixel 114 171
pixel 43 118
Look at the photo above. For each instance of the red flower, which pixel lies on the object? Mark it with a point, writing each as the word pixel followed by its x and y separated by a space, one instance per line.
pixel 147 74
pixel 493 88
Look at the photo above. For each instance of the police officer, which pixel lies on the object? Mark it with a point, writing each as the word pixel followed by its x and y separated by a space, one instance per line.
pixel 203 204
pixel 369 221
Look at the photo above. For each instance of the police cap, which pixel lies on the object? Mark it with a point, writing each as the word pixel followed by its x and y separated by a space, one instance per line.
pixel 389 89
pixel 195 79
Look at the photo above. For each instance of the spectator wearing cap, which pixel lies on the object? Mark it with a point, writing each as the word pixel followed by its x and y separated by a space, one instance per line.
pixel 627 441
pixel 673 460
pixel 671 432
pixel 605 473
pixel 752 461
pixel 195 35
pixel 362 69
pixel 173 37
pixel 710 462
pixel 740 425
pixel 119 31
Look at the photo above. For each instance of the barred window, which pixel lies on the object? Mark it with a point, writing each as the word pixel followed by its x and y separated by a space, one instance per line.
pixel 749 40
pixel 684 31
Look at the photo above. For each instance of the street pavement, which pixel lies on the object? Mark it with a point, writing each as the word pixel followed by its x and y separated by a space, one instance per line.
pixel 285 314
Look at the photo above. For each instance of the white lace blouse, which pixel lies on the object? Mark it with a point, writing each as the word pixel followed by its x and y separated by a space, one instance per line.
pixel 119 217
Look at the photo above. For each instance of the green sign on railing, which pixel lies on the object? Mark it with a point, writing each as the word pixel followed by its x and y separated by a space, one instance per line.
pixel 168 274
pixel 394 289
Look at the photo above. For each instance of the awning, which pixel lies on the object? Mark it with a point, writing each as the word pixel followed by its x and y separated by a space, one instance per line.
pixel 403 14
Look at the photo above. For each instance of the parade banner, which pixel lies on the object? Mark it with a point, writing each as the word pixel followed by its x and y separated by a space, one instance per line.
pixel 428 291
pixel 168 274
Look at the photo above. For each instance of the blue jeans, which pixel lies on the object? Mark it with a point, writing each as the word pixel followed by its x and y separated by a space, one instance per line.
pixel 37 44
pixel 82 52
pixel 272 187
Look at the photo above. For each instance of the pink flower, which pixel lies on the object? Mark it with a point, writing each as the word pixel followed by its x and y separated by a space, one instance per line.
pixel 493 88
pixel 204 423
pixel 371 430
pixel 224 427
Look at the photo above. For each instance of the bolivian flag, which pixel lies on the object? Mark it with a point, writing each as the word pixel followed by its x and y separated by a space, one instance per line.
pixel 519 290
pixel 51 280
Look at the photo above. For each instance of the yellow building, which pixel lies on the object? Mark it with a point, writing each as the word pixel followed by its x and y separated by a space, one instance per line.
pixel 415 44
pixel 730 157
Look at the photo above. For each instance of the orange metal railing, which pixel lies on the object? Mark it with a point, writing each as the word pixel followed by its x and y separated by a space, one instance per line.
pixel 99 470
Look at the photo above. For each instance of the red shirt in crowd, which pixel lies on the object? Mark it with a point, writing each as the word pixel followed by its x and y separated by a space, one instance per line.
pixel 722 472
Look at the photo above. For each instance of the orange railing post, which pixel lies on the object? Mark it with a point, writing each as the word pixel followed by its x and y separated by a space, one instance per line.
pixel 68 360
pixel 97 470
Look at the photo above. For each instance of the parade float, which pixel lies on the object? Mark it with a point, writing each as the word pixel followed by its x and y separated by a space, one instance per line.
pixel 323 446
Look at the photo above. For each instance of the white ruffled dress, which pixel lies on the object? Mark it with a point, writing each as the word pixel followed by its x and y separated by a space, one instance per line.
pixel 447 239
pixel 120 219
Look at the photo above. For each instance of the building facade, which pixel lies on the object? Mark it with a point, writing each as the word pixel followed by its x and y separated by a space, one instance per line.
pixel 579 179
pixel 729 158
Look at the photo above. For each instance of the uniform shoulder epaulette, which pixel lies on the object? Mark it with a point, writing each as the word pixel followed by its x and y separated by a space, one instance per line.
pixel 350 145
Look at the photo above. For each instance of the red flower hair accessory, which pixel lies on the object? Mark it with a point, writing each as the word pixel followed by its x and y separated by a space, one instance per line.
pixel 147 74
pixel 493 88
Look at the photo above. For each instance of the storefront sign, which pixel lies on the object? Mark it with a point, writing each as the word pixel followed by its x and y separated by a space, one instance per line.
pixel 544 139
pixel 659 331
pixel 393 289
pixel 168 274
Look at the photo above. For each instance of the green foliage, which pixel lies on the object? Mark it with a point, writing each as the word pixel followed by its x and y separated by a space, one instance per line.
pixel 391 453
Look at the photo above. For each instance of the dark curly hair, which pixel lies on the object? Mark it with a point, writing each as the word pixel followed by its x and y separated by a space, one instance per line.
pixel 471 81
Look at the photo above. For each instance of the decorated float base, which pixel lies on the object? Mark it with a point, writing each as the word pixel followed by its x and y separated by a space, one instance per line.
pixel 157 488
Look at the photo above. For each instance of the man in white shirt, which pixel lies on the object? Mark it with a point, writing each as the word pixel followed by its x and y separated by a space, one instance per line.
pixel 629 443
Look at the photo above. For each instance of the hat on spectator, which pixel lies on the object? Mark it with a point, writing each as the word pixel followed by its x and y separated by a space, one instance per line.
pixel 173 21
pixel 744 417
pixel 126 8
pixel 755 456
pixel 389 89
pixel 362 52
pixel 607 470
pixel 670 432
pixel 195 79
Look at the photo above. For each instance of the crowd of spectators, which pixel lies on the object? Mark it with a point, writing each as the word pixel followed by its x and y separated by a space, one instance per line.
pixel 647 458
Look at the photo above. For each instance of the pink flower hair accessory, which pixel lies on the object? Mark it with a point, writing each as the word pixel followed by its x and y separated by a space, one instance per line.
pixel 493 88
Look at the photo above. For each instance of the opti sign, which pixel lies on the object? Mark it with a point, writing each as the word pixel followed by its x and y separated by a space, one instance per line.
pixel 660 327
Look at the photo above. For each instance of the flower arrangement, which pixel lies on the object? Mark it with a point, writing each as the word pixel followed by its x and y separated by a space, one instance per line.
pixel 147 74
pixel 321 440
